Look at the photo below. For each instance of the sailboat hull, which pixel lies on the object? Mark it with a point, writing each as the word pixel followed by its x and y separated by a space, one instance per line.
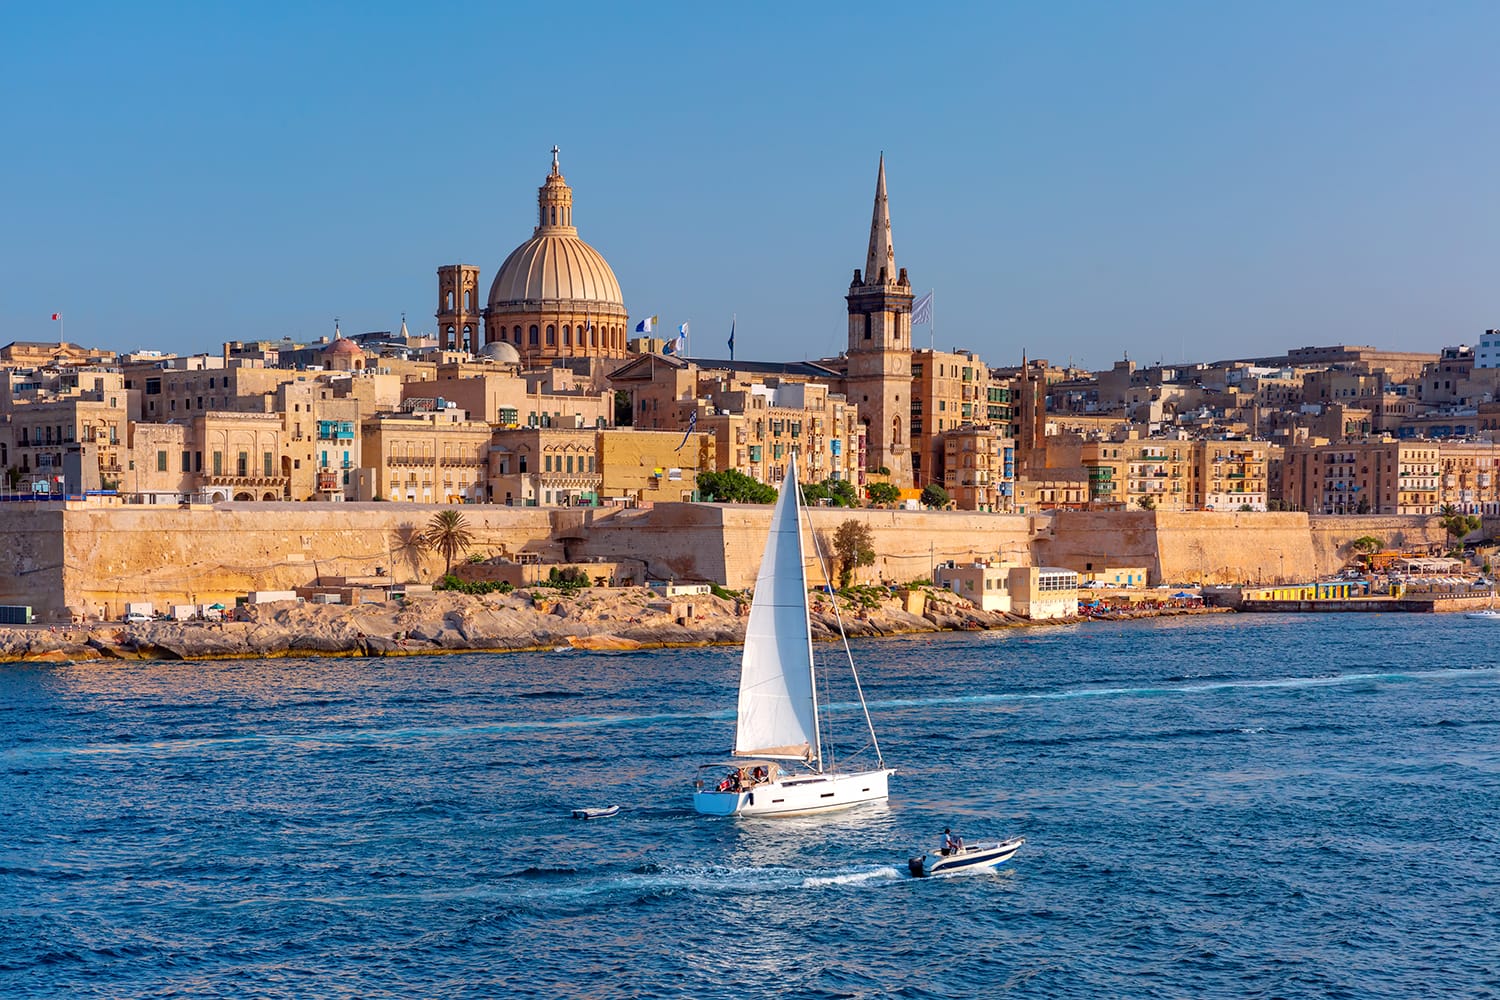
pixel 798 796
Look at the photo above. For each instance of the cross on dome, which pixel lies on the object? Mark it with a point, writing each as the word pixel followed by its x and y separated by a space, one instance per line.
pixel 554 158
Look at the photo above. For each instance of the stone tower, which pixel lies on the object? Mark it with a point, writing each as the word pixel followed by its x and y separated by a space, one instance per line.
pixel 879 379
pixel 458 310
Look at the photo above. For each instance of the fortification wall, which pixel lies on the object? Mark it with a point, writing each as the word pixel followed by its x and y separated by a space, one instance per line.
pixel 1181 546
pixel 31 555
pixel 90 558
pixel 723 543
pixel 1331 535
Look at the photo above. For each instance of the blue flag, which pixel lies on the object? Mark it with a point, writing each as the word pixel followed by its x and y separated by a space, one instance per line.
pixel 692 425
pixel 731 340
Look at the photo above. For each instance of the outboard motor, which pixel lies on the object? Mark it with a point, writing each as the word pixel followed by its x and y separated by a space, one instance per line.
pixel 915 864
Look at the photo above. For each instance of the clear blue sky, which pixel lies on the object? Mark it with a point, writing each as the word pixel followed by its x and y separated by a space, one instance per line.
pixel 1079 179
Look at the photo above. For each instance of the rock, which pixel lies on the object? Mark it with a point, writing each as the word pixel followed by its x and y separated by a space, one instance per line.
pixel 603 641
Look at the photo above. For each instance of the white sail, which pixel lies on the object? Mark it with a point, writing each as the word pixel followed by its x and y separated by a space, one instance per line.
pixel 777 706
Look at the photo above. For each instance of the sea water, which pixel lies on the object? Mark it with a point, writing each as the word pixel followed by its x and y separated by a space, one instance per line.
pixel 1234 806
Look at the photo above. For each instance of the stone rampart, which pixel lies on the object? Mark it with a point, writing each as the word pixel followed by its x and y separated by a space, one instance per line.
pixel 56 557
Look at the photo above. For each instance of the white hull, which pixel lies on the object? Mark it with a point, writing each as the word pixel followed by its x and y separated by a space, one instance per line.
pixel 797 796
pixel 970 859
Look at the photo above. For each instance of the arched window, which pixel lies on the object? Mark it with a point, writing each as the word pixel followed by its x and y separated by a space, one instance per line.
pixel 895 430
pixel 518 336
pixel 532 335
pixel 554 215
pixel 551 335
pixel 567 336
pixel 448 301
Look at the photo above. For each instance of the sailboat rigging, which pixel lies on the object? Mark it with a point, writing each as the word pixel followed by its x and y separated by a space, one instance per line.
pixel 780 763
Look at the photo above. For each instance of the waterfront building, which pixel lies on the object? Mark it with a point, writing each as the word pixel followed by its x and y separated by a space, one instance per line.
pixel 424 454
pixel 506 397
pixel 64 430
pixel 1035 592
pixel 1362 477
pixel 758 413
pixel 536 466
pixel 640 467
pixel 947 390
pixel 978 468
pixel 1229 475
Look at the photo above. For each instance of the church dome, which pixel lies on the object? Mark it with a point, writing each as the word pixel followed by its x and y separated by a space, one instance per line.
pixel 555 267
pixel 555 296
pixel 500 353
pixel 343 346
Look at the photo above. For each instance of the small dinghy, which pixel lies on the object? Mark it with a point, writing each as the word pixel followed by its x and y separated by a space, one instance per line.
pixel 602 812
pixel 965 858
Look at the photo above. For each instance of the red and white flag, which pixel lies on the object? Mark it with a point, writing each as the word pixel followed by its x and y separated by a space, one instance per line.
pixel 57 315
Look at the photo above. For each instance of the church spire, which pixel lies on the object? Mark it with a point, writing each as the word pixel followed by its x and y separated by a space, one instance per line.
pixel 880 262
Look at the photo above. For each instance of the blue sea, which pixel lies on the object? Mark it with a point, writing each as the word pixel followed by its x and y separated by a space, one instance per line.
pixel 1225 806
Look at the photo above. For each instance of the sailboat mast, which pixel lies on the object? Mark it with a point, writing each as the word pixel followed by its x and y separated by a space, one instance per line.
pixel 812 671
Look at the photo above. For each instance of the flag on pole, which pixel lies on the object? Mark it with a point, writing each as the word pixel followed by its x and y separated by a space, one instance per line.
pixel 57 316
pixel 682 331
pixel 692 426
pixel 731 340
pixel 670 347
pixel 646 325
pixel 921 310
pixel 679 345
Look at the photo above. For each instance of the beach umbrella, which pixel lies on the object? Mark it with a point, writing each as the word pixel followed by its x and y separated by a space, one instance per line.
pixel 216 607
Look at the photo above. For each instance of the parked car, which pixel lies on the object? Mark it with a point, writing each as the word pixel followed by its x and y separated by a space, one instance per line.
pixel 136 618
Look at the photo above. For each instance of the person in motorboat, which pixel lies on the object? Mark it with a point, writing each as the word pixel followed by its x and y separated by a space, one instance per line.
pixel 952 842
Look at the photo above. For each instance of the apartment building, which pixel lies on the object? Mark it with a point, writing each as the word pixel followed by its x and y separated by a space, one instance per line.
pixel 978 467
pixel 1364 477
pixel 424 454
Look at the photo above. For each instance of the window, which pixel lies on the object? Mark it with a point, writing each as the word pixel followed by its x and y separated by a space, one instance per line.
pixel 187 461
pixel 218 463
pixel 243 465
pixel 570 463
pixel 161 461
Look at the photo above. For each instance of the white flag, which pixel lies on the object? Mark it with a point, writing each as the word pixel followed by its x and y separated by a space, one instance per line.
pixel 921 310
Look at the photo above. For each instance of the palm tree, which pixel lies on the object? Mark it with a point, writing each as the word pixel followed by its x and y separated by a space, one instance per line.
pixel 449 534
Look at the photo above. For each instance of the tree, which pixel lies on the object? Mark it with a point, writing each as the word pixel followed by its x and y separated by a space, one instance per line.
pixel 882 493
pixel 731 486
pixel 1363 507
pixel 838 493
pixel 854 544
pixel 1364 547
pixel 624 416
pixel 1147 503
pixel 448 533
pixel 1457 524
pixel 934 496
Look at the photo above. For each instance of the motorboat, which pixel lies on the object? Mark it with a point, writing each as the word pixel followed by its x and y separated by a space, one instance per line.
pixel 1488 615
pixel 600 812
pixel 779 764
pixel 965 859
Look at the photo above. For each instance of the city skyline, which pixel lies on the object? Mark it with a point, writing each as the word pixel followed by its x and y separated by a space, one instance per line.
pixel 1170 182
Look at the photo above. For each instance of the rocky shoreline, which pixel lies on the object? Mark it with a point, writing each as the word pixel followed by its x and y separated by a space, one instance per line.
pixel 540 618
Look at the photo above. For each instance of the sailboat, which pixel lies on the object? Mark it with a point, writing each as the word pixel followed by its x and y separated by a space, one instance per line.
pixel 780 765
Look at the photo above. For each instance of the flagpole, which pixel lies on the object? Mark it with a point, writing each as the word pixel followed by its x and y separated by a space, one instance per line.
pixel 932 320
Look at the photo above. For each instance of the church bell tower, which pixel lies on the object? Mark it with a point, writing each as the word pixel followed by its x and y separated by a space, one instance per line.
pixel 458 307
pixel 879 379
